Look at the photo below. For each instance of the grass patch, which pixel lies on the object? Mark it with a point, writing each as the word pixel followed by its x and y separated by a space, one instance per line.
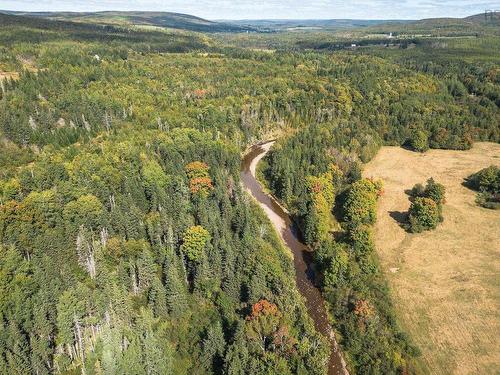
pixel 447 287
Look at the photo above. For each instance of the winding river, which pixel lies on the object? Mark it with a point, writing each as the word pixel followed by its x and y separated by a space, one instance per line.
pixel 301 254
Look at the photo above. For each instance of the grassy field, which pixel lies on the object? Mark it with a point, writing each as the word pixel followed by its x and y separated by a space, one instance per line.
pixel 445 283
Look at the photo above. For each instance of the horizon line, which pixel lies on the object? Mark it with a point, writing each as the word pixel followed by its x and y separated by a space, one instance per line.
pixel 238 19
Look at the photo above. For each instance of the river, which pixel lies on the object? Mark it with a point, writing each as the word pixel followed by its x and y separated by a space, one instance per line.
pixel 302 255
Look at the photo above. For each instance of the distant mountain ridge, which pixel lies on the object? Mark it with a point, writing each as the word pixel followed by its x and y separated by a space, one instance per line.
pixel 285 24
pixel 160 19
pixel 480 18
pixel 194 23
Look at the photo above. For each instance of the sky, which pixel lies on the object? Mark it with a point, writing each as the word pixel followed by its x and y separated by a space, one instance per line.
pixel 272 9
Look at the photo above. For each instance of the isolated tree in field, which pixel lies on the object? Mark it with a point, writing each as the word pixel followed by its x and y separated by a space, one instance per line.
pixel 424 214
pixel 487 182
pixel 435 191
pixel 487 179
pixel 419 141
pixel 432 190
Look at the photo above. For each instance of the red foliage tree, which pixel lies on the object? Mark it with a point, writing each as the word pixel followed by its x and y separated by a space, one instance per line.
pixel 200 181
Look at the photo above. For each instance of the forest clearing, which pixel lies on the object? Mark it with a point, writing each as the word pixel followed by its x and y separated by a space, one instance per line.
pixel 444 283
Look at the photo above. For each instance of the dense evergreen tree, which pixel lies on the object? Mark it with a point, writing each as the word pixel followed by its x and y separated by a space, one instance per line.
pixel 423 214
pixel 487 182
pixel 427 205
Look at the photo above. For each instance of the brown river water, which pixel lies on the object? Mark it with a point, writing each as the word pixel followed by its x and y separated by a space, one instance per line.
pixel 302 255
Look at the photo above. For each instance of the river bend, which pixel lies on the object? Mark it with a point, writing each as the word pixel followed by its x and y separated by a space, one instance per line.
pixel 302 255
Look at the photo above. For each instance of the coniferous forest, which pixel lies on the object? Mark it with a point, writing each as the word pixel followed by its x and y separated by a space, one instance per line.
pixel 127 243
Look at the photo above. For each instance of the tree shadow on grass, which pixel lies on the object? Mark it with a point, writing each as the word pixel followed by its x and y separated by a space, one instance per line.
pixel 469 184
pixel 409 192
pixel 401 217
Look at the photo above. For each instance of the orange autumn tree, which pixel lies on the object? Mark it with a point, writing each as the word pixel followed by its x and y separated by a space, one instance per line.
pixel 199 178
pixel 263 307
pixel 364 309
pixel 266 327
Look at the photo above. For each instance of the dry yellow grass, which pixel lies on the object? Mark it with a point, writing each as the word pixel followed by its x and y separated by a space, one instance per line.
pixel 5 75
pixel 445 283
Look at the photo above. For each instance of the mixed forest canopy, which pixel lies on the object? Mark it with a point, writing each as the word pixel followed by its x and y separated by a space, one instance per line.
pixel 127 244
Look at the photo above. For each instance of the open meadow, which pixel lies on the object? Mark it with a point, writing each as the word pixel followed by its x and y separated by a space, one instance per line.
pixel 445 283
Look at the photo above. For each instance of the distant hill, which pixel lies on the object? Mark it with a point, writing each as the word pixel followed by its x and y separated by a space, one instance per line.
pixel 15 29
pixel 444 27
pixel 485 18
pixel 477 19
pixel 424 25
pixel 328 24
pixel 160 19
pixel 468 25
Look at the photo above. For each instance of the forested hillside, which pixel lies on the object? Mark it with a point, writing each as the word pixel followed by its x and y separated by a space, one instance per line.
pixel 126 242
pixel 140 19
pixel 425 96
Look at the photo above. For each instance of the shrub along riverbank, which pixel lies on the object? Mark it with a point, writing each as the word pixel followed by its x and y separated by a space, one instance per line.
pixel 336 210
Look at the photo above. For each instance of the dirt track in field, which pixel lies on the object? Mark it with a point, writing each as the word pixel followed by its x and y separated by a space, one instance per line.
pixel 445 283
